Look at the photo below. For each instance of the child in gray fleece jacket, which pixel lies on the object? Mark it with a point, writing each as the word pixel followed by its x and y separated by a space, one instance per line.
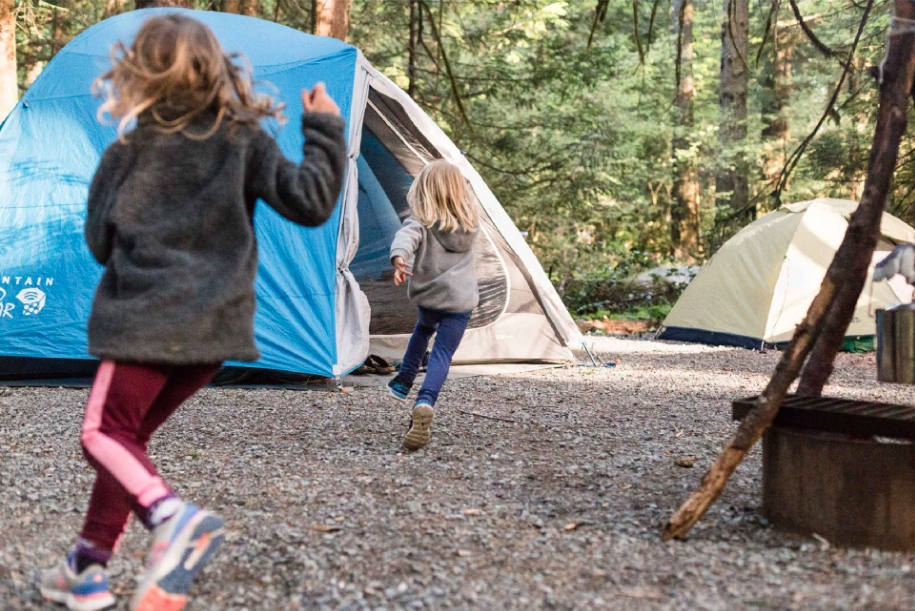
pixel 170 217
pixel 439 240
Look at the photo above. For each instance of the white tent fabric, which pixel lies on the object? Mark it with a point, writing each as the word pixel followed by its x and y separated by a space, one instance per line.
pixel 757 288
pixel 542 334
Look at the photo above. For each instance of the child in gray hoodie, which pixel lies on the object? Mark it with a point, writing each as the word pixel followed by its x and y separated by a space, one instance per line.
pixel 439 240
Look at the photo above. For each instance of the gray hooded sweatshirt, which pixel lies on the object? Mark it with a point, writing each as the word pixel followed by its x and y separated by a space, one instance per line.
pixel 444 277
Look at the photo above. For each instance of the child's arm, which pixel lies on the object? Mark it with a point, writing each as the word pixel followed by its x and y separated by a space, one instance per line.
pixel 307 193
pixel 406 241
pixel 109 175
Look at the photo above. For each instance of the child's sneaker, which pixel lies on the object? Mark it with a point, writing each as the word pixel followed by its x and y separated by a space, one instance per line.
pixel 418 435
pixel 399 390
pixel 182 545
pixel 87 591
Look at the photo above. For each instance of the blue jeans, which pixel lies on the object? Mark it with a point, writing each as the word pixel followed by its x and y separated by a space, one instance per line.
pixel 450 327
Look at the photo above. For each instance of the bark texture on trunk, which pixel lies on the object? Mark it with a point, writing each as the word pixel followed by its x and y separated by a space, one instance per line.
pixel 731 184
pixel 824 326
pixel 333 18
pixel 9 85
pixel 855 151
pixel 138 4
pixel 776 99
pixel 250 8
pixel 230 6
pixel 684 214
pixel 411 48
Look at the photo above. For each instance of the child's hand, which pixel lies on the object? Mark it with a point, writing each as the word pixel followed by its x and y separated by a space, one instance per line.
pixel 317 100
pixel 400 271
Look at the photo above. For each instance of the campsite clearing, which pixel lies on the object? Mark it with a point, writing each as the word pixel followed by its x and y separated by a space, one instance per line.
pixel 552 500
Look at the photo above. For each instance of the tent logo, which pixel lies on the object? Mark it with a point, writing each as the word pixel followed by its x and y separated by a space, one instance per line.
pixel 33 301
pixel 5 308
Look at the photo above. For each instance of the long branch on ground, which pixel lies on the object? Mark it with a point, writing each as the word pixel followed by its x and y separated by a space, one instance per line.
pixel 823 326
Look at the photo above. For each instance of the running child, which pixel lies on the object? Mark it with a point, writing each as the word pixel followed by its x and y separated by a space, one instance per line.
pixel 170 217
pixel 438 238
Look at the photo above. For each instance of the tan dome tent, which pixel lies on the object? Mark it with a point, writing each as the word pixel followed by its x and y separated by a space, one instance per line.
pixel 757 288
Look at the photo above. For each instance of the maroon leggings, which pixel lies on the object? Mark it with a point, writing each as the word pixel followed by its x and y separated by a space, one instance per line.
pixel 127 403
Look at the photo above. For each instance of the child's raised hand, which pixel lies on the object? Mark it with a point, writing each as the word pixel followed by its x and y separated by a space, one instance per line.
pixel 400 271
pixel 317 100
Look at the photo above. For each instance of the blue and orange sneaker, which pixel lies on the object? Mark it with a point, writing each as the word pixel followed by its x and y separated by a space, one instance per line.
pixel 86 591
pixel 399 390
pixel 182 546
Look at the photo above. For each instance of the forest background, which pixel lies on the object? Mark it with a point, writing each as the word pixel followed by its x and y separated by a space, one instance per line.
pixel 620 135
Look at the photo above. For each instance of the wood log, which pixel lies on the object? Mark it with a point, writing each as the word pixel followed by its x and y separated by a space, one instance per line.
pixel 850 265
pixel 829 307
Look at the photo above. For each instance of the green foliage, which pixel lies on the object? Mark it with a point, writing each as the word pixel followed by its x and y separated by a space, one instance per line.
pixel 577 141
pixel 617 294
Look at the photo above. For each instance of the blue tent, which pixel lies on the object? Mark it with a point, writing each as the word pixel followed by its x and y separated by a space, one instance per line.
pixel 313 315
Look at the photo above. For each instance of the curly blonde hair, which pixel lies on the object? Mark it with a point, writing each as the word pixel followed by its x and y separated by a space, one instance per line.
pixel 174 71
pixel 440 194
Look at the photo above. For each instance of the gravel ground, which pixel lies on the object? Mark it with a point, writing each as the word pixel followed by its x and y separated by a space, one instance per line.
pixel 555 505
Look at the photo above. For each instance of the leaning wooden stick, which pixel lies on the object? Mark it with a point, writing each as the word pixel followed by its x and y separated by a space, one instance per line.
pixel 829 314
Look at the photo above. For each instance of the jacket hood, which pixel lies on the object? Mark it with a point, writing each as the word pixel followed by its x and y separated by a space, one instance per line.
pixel 455 241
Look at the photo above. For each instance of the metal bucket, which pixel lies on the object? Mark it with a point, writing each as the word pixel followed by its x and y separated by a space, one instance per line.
pixel 896 344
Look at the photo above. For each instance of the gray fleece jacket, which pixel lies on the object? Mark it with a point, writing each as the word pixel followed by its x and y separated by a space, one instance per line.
pixel 170 218
pixel 444 277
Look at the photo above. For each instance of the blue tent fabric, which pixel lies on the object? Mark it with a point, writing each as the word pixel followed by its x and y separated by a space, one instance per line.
pixel 49 148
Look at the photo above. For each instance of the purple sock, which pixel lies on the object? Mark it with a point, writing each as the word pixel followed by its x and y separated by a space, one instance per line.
pixel 85 554
pixel 161 510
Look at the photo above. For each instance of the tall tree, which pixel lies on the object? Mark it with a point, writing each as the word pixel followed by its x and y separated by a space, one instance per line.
pixel 332 18
pixel 684 214
pixel 244 7
pixel 160 3
pixel 250 7
pixel 776 99
pixel 856 154
pixel 9 89
pixel 731 186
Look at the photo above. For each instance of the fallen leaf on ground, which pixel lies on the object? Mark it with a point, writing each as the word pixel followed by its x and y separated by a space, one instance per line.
pixel 571 526
pixel 463 553
pixel 473 512
pixel 643 592
pixel 685 461
pixel 326 528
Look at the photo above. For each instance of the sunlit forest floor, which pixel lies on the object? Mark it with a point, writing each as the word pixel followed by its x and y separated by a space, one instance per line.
pixel 550 497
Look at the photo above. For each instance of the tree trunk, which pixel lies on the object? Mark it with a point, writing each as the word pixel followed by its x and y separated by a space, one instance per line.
pixel 230 6
pixel 411 48
pixel 776 98
pixel 333 18
pixel 250 8
pixel 114 7
pixel 9 87
pixel 731 185
pixel 855 154
pixel 140 4
pixel 33 72
pixel 684 226
pixel 823 328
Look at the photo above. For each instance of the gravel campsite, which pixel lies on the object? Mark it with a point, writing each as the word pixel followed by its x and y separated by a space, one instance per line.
pixel 540 490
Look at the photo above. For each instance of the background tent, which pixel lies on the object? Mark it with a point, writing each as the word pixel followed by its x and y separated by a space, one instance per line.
pixel 757 288
pixel 323 294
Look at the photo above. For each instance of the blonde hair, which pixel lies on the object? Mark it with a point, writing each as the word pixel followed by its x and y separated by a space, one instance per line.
pixel 175 70
pixel 440 194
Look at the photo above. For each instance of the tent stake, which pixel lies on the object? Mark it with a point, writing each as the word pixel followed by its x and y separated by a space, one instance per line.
pixel 591 356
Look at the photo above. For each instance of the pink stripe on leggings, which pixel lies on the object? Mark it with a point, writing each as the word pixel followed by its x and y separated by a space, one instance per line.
pixel 117 460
